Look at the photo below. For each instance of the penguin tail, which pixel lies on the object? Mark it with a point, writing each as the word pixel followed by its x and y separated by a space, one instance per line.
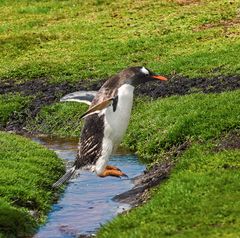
pixel 65 177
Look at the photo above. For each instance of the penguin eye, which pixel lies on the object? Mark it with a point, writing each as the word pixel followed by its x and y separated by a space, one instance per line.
pixel 144 71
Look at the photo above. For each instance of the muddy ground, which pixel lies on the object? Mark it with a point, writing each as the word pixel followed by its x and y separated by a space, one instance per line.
pixel 151 177
pixel 45 93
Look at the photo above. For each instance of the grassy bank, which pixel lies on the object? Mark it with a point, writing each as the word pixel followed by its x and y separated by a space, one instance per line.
pixel 27 172
pixel 68 40
pixel 159 125
pixel 200 199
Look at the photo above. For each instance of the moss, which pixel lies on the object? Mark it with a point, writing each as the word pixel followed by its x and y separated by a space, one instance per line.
pixel 27 171
pixel 12 105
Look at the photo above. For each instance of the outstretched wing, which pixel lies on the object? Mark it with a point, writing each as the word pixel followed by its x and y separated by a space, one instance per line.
pixel 97 108
pixel 106 96
pixel 80 96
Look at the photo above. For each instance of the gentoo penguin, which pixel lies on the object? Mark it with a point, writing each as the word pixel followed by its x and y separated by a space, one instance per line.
pixel 106 121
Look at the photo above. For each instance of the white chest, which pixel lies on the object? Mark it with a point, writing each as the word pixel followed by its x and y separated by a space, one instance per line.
pixel 117 122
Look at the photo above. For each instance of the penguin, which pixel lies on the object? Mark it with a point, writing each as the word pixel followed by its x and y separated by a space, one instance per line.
pixel 106 121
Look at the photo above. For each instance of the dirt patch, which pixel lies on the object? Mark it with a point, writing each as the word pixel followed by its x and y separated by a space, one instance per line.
pixel 176 85
pixel 227 26
pixel 157 174
pixel 140 192
pixel 181 86
pixel 229 142
pixel 223 23
pixel 45 93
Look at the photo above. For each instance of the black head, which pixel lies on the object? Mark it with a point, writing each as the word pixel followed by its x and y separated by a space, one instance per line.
pixel 139 75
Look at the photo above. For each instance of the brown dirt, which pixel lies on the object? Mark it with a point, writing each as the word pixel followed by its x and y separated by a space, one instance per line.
pixel 150 178
pixel 229 142
pixel 181 86
pixel 223 23
pixel 45 93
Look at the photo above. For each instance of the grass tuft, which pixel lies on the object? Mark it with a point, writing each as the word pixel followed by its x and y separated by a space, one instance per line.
pixel 62 119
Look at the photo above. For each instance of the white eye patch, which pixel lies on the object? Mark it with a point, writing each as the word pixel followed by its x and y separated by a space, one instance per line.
pixel 144 70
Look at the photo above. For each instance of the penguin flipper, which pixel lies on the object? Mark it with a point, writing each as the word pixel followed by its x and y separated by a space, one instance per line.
pixel 79 96
pixel 97 108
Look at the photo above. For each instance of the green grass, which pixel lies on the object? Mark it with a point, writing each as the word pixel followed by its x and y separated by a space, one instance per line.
pixel 157 126
pixel 12 105
pixel 200 199
pixel 69 40
pixel 62 119
pixel 27 172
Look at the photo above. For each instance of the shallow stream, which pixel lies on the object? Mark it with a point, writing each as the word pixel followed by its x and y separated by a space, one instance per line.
pixel 87 200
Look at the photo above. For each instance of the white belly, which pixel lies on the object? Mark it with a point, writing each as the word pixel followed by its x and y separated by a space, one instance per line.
pixel 115 125
pixel 117 122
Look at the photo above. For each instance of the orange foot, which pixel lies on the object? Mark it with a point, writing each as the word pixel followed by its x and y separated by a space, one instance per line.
pixel 112 171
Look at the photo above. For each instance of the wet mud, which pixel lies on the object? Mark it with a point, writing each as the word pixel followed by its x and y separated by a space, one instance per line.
pixel 151 177
pixel 45 93
pixel 176 85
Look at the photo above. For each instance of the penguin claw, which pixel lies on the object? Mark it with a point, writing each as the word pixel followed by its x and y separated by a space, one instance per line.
pixel 124 176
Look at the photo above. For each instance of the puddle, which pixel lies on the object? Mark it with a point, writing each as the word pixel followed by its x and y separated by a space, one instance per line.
pixel 87 200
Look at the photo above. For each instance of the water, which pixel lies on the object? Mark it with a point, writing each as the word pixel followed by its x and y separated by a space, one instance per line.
pixel 87 200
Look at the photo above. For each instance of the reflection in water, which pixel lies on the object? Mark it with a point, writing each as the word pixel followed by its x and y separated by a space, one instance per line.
pixel 86 202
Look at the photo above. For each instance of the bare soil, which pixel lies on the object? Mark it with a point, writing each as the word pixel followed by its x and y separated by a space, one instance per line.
pixel 229 141
pixel 45 93
pixel 150 178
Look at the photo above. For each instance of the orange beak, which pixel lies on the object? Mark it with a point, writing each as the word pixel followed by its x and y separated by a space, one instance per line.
pixel 159 77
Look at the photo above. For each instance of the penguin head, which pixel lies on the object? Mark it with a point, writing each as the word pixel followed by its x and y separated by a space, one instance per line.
pixel 138 75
